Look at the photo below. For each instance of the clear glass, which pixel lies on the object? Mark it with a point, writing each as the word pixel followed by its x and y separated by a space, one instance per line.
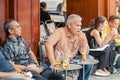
pixel 65 61
pixel 62 60
pixel 58 58
pixel 83 53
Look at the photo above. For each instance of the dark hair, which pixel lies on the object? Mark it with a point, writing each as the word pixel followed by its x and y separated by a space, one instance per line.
pixel 95 23
pixel 92 22
pixel 7 25
pixel 113 17
pixel 43 4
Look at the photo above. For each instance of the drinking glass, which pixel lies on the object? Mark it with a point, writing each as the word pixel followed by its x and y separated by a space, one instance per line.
pixel 65 61
pixel 83 53
pixel 58 63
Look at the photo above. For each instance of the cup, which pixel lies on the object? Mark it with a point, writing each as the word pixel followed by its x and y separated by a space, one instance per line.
pixel 83 56
pixel 83 53
pixel 65 64
pixel 65 61
pixel 58 64
pixel 58 59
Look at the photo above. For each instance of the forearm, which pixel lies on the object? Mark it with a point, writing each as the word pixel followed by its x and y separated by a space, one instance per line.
pixel 106 40
pixel 7 74
pixel 86 44
pixel 50 53
pixel 116 37
pixel 34 58
pixel 21 66
pixel 87 52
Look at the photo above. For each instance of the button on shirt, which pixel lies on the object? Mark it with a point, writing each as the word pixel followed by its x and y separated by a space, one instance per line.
pixel 61 40
pixel 18 51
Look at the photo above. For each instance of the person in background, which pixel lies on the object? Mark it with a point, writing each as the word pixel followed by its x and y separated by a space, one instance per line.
pixel 106 28
pixel 44 15
pixel 96 34
pixel 114 22
pixel 70 40
pixel 64 9
pixel 7 70
pixel 117 7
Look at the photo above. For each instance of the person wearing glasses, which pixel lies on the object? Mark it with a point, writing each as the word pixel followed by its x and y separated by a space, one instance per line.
pixel 7 70
pixel 19 52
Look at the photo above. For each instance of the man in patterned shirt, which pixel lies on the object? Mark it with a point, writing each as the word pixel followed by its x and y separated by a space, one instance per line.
pixel 7 71
pixel 19 52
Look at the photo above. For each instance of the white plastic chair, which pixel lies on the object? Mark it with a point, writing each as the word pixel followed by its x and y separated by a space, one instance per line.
pixel 50 24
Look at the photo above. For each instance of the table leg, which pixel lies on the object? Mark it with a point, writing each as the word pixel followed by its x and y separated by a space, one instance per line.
pixel 65 74
pixel 83 71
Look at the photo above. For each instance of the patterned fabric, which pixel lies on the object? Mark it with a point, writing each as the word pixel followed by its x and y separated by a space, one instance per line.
pixel 5 65
pixel 18 51
pixel 2 57
pixel 61 40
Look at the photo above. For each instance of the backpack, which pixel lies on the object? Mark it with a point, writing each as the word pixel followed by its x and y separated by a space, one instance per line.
pixel 116 64
pixel 117 61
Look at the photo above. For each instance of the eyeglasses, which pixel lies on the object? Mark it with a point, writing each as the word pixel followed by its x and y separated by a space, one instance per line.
pixel 15 27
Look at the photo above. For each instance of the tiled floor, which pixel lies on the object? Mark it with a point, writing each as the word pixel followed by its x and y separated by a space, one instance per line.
pixel 92 77
pixel 111 77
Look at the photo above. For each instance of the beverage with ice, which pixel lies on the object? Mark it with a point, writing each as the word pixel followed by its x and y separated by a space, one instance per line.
pixel 65 64
pixel 65 61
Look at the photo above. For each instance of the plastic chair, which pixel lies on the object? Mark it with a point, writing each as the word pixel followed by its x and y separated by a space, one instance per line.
pixel 43 38
pixel 43 31
pixel 50 24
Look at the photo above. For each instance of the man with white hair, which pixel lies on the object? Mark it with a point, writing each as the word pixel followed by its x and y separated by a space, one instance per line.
pixel 70 40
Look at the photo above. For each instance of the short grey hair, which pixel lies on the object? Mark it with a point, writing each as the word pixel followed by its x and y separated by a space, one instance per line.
pixel 8 25
pixel 72 17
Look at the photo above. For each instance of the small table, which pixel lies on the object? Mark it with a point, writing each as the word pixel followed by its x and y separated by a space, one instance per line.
pixel 88 61
pixel 71 68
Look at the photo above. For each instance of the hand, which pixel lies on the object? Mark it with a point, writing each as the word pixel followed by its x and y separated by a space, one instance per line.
pixel 18 69
pixel 34 68
pixel 21 74
pixel 114 31
pixel 55 69
pixel 27 74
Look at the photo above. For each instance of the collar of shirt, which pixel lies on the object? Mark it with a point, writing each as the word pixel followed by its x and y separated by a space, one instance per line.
pixel 14 40
pixel 69 35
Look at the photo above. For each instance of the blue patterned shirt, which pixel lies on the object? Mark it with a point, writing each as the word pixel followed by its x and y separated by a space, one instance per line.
pixel 5 65
pixel 18 51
